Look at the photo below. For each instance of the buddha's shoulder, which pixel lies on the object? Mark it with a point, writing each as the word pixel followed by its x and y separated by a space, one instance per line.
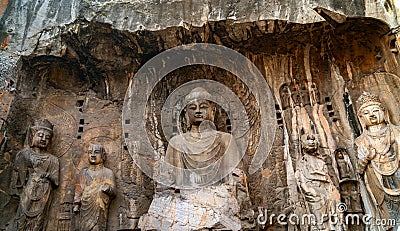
pixel 224 134
pixel 227 137
pixel 363 137
pixel 178 138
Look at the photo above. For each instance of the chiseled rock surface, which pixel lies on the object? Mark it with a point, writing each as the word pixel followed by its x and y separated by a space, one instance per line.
pixel 197 209
pixel 36 27
pixel 26 21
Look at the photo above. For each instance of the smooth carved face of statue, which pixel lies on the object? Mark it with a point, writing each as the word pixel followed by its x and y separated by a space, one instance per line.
pixel 309 143
pixel 199 111
pixel 95 155
pixel 372 115
pixel 41 138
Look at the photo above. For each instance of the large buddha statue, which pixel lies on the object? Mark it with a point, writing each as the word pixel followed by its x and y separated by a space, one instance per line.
pixel 203 172
pixel 378 157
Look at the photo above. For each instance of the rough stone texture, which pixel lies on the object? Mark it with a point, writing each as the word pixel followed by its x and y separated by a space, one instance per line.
pixel 24 22
pixel 210 207
pixel 71 61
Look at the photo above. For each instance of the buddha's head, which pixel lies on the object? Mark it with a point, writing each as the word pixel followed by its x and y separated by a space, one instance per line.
pixel 96 154
pixel 41 133
pixel 371 110
pixel 309 143
pixel 199 107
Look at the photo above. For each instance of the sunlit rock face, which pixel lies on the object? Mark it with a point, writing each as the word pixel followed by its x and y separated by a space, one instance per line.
pixel 72 61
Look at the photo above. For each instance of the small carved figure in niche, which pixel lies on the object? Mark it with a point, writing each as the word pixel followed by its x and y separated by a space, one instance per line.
pixel 315 96
pixel 346 170
pixel 296 95
pixel 36 175
pixel 348 182
pixel 315 183
pixel 378 156
pixel 94 190
pixel 285 96
pixel 351 196
pixel 305 96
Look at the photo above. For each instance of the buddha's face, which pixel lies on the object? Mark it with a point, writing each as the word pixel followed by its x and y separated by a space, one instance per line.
pixel 41 138
pixel 309 142
pixel 95 155
pixel 199 111
pixel 340 155
pixel 372 115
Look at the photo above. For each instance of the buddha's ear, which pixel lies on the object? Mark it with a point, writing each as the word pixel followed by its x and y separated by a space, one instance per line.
pixel 188 124
pixel 361 120
pixel 387 115
pixel 213 113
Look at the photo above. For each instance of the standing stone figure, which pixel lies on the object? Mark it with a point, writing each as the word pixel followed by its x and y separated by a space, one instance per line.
pixel 378 157
pixel 203 165
pixel 315 183
pixel 94 190
pixel 36 175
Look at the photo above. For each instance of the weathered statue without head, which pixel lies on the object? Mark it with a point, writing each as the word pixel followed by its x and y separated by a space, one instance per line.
pixel 94 189
pixel 378 157
pixel 36 174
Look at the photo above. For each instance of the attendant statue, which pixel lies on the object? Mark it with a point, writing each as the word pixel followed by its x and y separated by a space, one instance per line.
pixel 316 185
pixel 94 190
pixel 36 175
pixel 203 167
pixel 378 157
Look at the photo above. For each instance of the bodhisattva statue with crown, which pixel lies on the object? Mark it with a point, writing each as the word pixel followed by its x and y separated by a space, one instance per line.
pixel 203 167
pixel 378 158
pixel 36 174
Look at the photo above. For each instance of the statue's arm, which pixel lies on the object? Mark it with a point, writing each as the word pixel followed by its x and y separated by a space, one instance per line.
pixel 79 186
pixel 299 178
pixel 232 151
pixel 110 188
pixel 364 155
pixel 309 191
pixel 20 172
pixel 174 166
pixel 362 163
pixel 54 174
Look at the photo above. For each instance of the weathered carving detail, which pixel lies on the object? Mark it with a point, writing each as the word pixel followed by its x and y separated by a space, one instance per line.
pixel 94 190
pixel 348 187
pixel 378 157
pixel 36 174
